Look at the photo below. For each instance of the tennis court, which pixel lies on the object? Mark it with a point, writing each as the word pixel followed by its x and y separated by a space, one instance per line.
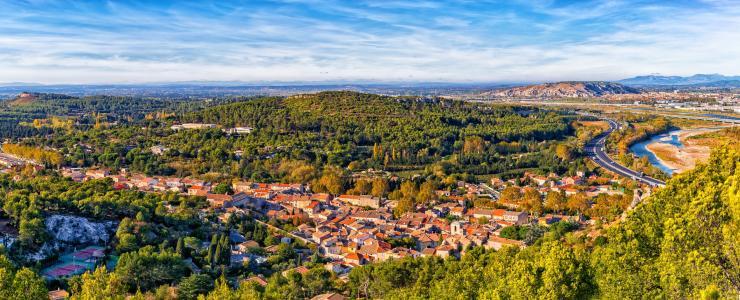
pixel 64 270
pixel 75 262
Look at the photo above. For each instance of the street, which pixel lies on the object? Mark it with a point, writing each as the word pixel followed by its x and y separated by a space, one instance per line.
pixel 596 152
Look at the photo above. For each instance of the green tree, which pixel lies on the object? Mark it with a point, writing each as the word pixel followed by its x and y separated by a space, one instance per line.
pixel 222 188
pixel 194 285
pixel 98 284
pixel 146 269
pixel 29 286
pixel 180 248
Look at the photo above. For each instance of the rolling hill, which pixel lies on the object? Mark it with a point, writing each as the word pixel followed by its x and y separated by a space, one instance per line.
pixel 23 99
pixel 569 89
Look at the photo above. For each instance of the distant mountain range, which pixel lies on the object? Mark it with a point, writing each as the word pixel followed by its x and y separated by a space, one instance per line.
pixel 568 89
pixel 710 80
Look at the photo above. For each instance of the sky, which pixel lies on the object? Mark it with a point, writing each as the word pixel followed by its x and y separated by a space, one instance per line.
pixel 87 42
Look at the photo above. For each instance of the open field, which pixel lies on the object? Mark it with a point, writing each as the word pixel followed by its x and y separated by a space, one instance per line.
pixel 598 124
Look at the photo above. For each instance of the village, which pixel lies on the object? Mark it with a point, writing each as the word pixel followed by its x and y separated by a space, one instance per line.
pixel 353 230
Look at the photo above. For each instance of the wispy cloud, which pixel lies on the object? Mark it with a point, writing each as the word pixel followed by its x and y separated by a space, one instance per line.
pixel 88 42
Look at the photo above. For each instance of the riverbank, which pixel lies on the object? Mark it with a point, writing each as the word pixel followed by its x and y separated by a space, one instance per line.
pixel 682 156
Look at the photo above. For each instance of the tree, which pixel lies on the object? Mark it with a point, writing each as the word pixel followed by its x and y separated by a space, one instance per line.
pixel 555 201
pixel 180 248
pixel 194 285
pixel 31 231
pixel 564 152
pixel 408 190
pixel 29 286
pixel 6 282
pixel 362 187
pixel 146 269
pixel 578 203
pixel 223 188
pixel 426 193
pixel 303 174
pixel 98 284
pixel 404 205
pixel 126 242
pixel 316 282
pixel 563 276
pixel 222 291
pixel 473 145
pixel 332 181
pixel 510 232
pixel 532 201
pixel 511 194
pixel 380 187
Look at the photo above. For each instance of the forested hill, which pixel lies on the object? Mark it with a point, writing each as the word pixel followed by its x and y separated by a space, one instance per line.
pixel 394 133
pixel 28 107
pixel 681 243
pixel 367 118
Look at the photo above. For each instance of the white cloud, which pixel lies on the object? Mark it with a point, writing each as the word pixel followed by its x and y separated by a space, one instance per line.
pixel 255 44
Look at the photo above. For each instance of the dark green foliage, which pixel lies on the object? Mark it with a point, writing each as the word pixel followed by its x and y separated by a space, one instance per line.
pixel 338 127
pixel 407 242
pixel 222 188
pixel 197 284
pixel 146 269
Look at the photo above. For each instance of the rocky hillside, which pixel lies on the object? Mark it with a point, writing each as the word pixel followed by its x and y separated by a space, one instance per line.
pixel 571 89
pixel 66 232
pixel 23 99
pixel 78 230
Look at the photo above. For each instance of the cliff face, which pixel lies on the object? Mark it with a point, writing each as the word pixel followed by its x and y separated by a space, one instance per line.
pixel 67 232
pixel 78 230
pixel 578 89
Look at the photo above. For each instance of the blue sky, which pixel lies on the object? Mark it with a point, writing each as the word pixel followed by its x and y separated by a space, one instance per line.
pixel 381 40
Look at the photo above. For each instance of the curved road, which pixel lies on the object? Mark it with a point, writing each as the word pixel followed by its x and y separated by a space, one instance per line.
pixel 595 151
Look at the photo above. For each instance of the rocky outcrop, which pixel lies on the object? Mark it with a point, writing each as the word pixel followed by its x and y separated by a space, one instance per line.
pixel 68 232
pixel 78 230
pixel 573 89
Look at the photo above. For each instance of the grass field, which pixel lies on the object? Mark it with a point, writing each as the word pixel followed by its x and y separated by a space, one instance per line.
pixel 598 124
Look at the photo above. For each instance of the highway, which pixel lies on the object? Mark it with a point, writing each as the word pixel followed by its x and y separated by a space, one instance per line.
pixel 596 152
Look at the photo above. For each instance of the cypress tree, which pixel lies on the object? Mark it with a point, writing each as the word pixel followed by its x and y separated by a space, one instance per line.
pixel 180 248
pixel 217 255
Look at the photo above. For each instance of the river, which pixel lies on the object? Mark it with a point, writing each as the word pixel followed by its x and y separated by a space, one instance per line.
pixel 640 149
